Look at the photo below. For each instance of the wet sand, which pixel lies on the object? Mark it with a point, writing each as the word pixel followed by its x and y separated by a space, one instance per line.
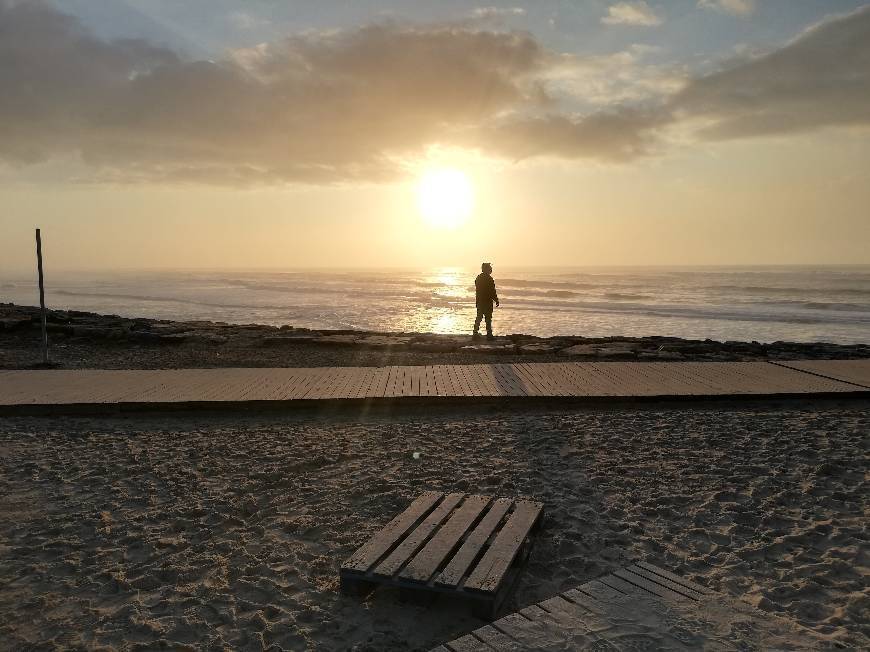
pixel 209 531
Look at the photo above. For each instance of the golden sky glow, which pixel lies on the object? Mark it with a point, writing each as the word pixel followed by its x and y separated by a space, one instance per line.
pixel 700 135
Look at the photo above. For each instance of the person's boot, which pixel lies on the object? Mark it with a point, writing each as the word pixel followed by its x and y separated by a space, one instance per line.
pixel 475 335
pixel 490 337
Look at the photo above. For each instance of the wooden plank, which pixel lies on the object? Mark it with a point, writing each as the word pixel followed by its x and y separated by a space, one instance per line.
pixel 490 381
pixel 488 573
pixel 441 381
pixel 531 383
pixel 539 380
pixel 675 578
pixel 639 619
pixel 452 575
pixel 469 643
pixel 369 554
pixel 650 587
pixel 364 383
pixel 394 562
pixel 379 384
pixel 856 372
pixel 320 383
pixel 658 579
pixel 342 382
pixel 468 374
pixel 621 585
pixel 509 381
pixel 427 382
pixel 394 384
pixel 458 380
pixel 598 591
pixel 498 639
pixel 532 634
pixel 426 562
pixel 559 604
pixel 409 387
pixel 572 624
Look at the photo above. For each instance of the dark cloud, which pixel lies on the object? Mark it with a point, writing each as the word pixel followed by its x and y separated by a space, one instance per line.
pixel 820 79
pixel 317 107
pixel 331 106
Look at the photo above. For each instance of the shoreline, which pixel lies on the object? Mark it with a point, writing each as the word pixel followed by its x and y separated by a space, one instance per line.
pixel 85 340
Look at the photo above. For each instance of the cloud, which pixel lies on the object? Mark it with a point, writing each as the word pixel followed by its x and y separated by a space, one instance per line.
pixel 244 21
pixel 820 79
pixel 317 107
pixel 322 106
pixel 734 7
pixel 497 12
pixel 626 77
pixel 631 13
pixel 344 105
pixel 617 136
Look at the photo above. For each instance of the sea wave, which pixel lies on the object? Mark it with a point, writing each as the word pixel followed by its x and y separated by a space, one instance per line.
pixel 157 299
pixel 775 289
pixel 685 312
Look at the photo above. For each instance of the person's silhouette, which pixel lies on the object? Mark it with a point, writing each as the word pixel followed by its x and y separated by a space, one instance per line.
pixel 485 294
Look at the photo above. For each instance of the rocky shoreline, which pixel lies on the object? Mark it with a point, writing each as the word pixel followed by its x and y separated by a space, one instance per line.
pixel 89 340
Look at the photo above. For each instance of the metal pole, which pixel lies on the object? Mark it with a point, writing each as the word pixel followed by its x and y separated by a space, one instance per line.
pixel 42 298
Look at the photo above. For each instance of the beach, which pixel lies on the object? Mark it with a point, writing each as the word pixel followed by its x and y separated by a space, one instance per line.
pixel 227 531
pixel 434 326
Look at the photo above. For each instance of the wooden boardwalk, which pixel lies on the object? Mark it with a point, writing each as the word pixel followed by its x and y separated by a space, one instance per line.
pixel 61 390
pixel 850 371
pixel 642 607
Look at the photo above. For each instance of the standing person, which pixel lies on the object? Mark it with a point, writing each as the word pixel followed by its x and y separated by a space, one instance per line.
pixel 485 294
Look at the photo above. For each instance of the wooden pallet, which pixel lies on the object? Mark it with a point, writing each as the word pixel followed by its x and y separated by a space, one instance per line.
pixel 467 546
pixel 642 607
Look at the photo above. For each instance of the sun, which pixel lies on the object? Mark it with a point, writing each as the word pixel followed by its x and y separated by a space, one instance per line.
pixel 445 197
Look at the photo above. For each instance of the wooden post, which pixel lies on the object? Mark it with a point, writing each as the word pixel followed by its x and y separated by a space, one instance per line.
pixel 42 298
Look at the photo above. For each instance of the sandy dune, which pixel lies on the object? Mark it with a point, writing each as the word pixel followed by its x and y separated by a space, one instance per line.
pixel 209 532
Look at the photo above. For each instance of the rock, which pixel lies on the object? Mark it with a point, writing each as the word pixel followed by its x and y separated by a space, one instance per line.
pixel 616 351
pixel 65 329
pixel 660 356
pixel 336 340
pixel 15 322
pixel 206 338
pixel 382 342
pixel 59 316
pixel 580 350
pixel 489 348
pixel 288 340
pixel 433 347
pixel 97 332
pixel 157 338
pixel 619 353
pixel 538 347
pixel 167 329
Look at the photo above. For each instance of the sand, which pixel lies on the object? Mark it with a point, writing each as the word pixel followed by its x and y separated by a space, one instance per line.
pixel 213 532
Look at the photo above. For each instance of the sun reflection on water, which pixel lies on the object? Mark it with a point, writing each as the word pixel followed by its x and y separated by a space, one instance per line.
pixel 430 319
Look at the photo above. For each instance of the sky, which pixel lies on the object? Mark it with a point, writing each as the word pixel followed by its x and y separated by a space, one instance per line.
pixel 278 134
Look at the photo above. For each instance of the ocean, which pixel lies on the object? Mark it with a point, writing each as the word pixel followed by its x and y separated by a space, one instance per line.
pixel 800 304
